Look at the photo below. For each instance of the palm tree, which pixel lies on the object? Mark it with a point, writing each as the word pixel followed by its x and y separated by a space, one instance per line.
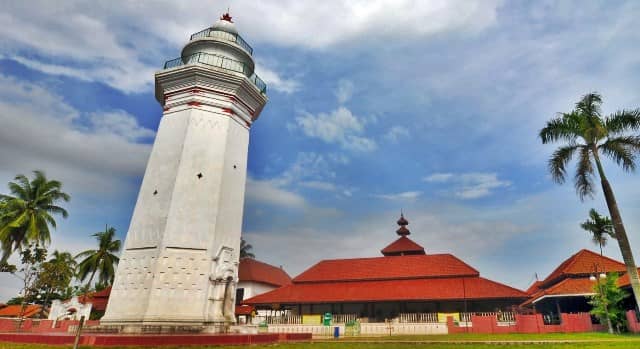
pixel 599 227
pixel 245 249
pixel 589 135
pixel 64 259
pixel 101 261
pixel 27 214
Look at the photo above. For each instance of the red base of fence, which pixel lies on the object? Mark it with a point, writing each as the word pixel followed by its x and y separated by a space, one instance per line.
pixel 155 340
pixel 524 324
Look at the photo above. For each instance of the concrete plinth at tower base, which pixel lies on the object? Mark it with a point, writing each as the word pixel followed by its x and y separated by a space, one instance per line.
pixel 155 339
pixel 160 328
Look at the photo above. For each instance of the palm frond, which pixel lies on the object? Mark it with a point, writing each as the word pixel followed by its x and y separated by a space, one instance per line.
pixel 558 162
pixel 565 127
pixel 584 175
pixel 623 121
pixel 589 105
pixel 622 150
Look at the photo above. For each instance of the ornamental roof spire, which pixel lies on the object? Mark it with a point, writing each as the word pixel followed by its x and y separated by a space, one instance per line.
pixel 403 222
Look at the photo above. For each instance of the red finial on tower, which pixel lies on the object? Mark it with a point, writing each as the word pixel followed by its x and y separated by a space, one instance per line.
pixel 226 17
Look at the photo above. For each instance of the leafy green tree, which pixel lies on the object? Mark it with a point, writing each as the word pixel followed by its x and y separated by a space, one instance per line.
pixel 27 214
pixel 55 276
pixel 588 135
pixel 31 259
pixel 101 261
pixel 607 301
pixel 245 249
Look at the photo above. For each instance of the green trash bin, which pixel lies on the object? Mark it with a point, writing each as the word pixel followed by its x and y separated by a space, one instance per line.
pixel 326 319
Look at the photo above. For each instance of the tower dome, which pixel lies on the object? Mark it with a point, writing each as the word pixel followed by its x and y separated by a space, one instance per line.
pixel 220 45
pixel 225 24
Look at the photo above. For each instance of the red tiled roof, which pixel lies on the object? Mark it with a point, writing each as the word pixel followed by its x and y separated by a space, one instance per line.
pixel 14 310
pixel 403 245
pixel 385 268
pixel 389 290
pixel 582 263
pixel 570 286
pixel 253 270
pixel 535 287
pixel 98 299
pixel 624 281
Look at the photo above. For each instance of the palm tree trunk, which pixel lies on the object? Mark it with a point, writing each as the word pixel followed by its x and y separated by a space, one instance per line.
pixel 91 279
pixel 621 234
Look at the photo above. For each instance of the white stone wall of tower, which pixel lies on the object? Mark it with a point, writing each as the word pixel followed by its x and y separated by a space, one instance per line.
pixel 177 232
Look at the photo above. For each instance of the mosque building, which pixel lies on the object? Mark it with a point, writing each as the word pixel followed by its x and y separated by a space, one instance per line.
pixel 405 280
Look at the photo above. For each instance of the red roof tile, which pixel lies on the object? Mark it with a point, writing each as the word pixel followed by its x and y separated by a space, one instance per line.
pixel 535 287
pixel 624 281
pixel 253 270
pixel 570 286
pixel 384 268
pixel 403 245
pixel 581 264
pixel 98 300
pixel 15 310
pixel 388 290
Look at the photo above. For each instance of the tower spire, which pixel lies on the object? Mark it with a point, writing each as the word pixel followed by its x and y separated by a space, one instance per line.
pixel 403 222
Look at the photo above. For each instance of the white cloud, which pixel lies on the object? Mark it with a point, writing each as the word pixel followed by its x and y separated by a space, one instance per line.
pixel 439 177
pixel 396 133
pixel 404 196
pixel 271 193
pixel 275 81
pixel 120 43
pixel 344 91
pixel 470 185
pixel 338 127
pixel 49 134
pixel 121 123
pixel 319 185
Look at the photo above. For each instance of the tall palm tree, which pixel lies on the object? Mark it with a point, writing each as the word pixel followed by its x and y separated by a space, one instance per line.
pixel 245 249
pixel 588 134
pixel 27 214
pixel 599 227
pixel 101 261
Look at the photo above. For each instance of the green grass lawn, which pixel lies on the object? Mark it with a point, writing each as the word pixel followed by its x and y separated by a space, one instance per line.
pixel 561 341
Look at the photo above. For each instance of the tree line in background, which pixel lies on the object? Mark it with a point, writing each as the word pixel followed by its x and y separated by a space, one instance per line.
pixel 26 216
pixel 587 135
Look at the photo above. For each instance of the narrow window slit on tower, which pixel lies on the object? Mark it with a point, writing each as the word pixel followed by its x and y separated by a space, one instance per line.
pixel 199 175
pixel 155 192
pixel 234 166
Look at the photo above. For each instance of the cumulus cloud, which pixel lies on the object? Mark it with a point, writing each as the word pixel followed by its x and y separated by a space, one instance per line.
pixel 470 185
pixel 275 81
pixel 81 150
pixel 337 127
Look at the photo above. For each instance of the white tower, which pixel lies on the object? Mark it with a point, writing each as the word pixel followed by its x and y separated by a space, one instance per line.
pixel 179 266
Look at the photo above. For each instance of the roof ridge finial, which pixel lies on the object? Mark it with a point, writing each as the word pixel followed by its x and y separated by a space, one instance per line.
pixel 403 222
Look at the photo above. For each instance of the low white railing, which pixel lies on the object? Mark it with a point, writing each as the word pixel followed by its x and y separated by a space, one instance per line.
pixel 418 317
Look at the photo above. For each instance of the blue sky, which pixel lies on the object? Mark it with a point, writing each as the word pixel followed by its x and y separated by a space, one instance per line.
pixel 431 107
